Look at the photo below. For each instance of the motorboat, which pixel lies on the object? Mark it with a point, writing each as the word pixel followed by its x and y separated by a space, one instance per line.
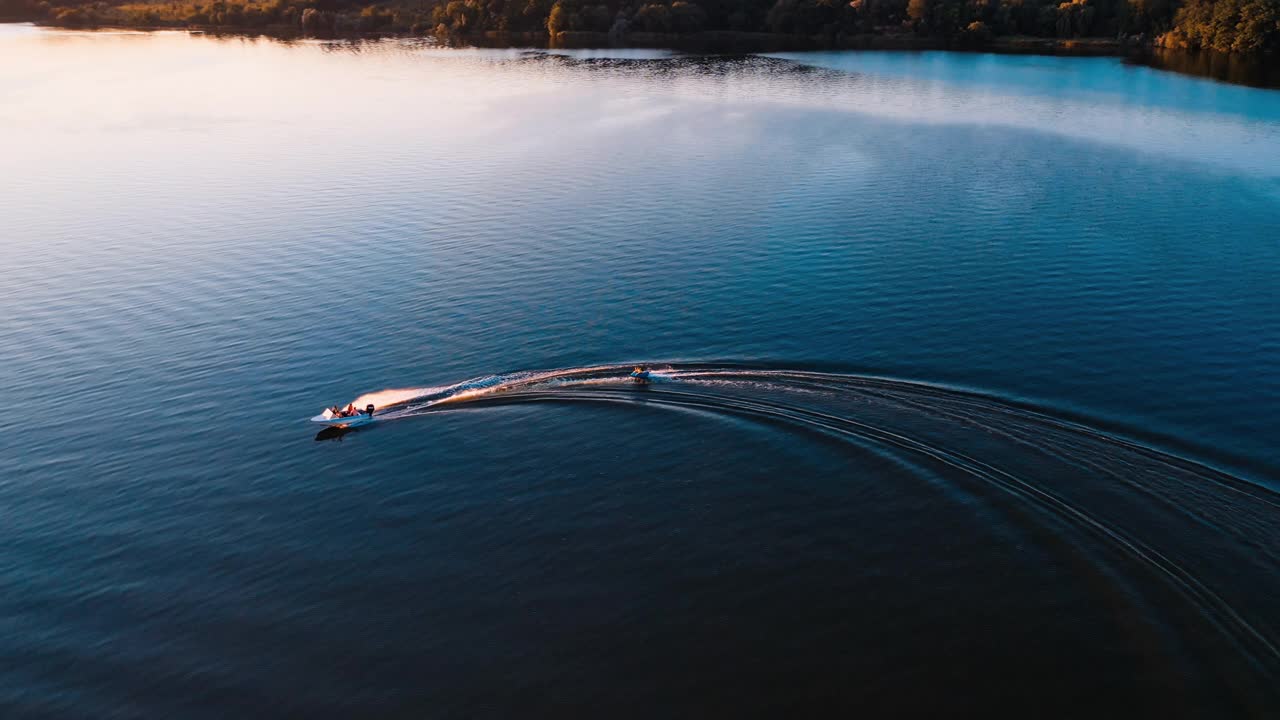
pixel 345 419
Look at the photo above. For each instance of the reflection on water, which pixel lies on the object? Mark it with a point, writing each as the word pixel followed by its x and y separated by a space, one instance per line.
pixel 1241 70
pixel 333 433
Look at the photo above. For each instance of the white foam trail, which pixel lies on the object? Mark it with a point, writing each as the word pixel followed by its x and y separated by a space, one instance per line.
pixel 485 385
pixel 383 398
pixel 499 383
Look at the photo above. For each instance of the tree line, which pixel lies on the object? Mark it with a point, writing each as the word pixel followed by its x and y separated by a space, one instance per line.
pixel 1238 26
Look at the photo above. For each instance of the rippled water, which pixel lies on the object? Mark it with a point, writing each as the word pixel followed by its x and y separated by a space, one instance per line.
pixel 966 378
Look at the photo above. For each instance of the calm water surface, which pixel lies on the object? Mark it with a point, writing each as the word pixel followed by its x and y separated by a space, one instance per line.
pixel 967 378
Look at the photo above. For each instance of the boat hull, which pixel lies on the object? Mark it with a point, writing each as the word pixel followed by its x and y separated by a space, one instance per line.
pixel 350 421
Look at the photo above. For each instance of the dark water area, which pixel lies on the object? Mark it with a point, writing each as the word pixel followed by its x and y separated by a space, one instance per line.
pixel 965 371
pixel 1263 72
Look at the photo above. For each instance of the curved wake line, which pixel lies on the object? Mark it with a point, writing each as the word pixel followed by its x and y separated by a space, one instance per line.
pixel 417 399
pixel 1086 482
pixel 409 402
pixel 1225 617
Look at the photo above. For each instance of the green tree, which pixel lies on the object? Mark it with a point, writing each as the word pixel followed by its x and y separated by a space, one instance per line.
pixel 654 18
pixel 1241 26
pixel 687 17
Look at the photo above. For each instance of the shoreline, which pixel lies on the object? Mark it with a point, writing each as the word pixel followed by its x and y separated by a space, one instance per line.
pixel 727 41
pixel 1235 69
pixel 709 41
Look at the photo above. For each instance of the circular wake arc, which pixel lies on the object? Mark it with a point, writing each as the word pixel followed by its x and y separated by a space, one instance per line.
pixel 1112 507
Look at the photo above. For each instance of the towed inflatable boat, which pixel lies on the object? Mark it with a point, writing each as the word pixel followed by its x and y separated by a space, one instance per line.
pixel 332 419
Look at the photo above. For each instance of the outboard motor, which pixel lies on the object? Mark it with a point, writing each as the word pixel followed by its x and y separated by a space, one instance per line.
pixel 369 409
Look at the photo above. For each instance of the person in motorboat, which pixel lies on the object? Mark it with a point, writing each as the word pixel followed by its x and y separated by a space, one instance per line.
pixel 348 416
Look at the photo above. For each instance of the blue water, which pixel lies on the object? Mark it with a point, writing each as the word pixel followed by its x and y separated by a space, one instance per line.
pixel 966 377
pixel 1101 80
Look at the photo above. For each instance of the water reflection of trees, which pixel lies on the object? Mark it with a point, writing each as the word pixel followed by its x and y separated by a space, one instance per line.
pixel 1234 68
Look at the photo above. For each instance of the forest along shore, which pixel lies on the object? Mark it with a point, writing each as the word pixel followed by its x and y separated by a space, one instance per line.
pixel 1246 28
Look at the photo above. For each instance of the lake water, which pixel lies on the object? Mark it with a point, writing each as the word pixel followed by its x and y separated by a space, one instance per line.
pixel 965 394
